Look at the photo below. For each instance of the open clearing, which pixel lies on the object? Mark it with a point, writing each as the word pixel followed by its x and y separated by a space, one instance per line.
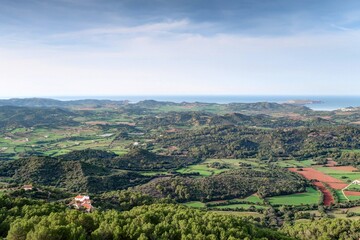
pixel 337 177
pixel 239 205
pixel 311 196
pixel 241 214
pixel 314 174
pixel 204 168
pixel 342 173
pixel 195 204
pixel 295 163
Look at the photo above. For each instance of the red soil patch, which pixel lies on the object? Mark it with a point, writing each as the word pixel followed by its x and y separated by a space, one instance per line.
pixel 173 148
pixel 312 174
pixel 331 163
pixel 172 130
pixel 328 198
pixel 351 193
pixel 345 168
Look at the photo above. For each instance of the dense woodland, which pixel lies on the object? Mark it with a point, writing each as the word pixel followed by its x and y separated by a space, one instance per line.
pixel 75 176
pixel 279 143
pixel 228 185
pixel 24 219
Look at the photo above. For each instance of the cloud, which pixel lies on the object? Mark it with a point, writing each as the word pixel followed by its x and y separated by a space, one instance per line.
pixel 188 64
pixel 200 48
pixel 151 28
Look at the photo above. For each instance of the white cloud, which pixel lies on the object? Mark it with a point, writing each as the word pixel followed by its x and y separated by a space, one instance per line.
pixel 146 64
pixel 159 27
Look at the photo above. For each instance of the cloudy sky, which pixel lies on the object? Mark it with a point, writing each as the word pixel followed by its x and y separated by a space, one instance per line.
pixel 182 47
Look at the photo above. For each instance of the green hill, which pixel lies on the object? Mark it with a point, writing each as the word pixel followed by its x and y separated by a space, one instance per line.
pixel 72 175
pixel 11 116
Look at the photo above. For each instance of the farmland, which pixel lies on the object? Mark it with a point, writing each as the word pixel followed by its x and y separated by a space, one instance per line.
pixel 209 166
pixel 240 206
pixel 337 178
pixel 311 196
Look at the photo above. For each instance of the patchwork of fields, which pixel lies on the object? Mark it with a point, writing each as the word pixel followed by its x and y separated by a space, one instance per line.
pixel 336 177
pixel 329 175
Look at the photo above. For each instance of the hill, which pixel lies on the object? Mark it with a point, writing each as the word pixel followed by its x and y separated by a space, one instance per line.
pixel 136 159
pixel 47 102
pixel 227 185
pixel 72 175
pixel 11 116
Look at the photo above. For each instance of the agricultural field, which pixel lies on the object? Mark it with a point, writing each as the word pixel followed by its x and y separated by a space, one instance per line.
pixel 345 174
pixel 336 177
pixel 195 204
pixel 204 168
pixel 229 204
pixel 341 196
pixel 295 163
pixel 240 214
pixel 353 198
pixel 311 196
pixel 240 205
pixel 251 199
pixel 54 142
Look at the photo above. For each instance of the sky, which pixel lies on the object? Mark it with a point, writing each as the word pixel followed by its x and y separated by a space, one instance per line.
pixel 179 47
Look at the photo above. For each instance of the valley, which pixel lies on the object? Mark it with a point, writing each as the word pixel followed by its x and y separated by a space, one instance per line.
pixel 273 164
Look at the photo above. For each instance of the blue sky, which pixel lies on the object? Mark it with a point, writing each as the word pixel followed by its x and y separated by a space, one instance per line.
pixel 188 47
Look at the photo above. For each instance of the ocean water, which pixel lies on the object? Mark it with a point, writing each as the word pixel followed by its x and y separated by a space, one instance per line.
pixel 328 103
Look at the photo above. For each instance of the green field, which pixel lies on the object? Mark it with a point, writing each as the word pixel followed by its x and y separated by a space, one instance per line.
pixel 240 214
pixel 353 198
pixel 204 170
pixel 354 187
pixel 195 204
pixel 252 199
pixel 340 196
pixel 351 150
pixel 311 196
pixel 339 174
pixel 233 203
pixel 239 205
pixel 58 141
pixel 295 163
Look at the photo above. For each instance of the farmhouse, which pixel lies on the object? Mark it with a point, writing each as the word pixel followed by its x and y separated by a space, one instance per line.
pixel 81 201
pixel 356 182
pixel 27 187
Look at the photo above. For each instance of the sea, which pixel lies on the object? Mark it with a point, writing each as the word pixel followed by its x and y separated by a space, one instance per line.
pixel 327 103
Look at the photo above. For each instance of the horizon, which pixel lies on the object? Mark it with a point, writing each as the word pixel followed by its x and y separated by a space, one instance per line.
pixel 317 103
pixel 57 47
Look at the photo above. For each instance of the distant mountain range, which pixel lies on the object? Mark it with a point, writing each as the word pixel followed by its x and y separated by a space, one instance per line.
pixel 47 102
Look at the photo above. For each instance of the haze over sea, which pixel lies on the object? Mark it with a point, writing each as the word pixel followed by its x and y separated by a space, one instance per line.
pixel 328 103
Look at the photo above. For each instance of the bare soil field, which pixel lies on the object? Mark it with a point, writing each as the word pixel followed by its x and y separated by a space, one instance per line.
pixel 312 174
pixel 344 168
pixel 328 198
pixel 351 193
